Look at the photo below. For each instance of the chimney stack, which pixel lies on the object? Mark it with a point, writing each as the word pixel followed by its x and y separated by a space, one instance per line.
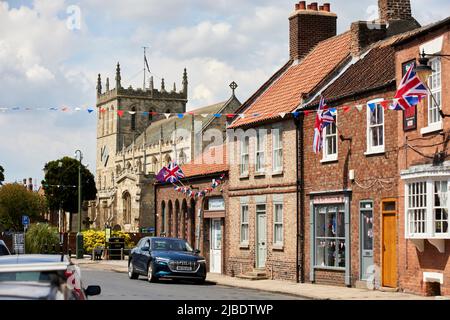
pixel 397 15
pixel 363 34
pixel 308 26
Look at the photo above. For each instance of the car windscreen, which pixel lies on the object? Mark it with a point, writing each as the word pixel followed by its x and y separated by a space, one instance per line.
pixel 3 251
pixel 171 245
pixel 34 276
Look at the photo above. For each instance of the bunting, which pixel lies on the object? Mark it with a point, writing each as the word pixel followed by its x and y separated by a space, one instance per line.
pixel 191 194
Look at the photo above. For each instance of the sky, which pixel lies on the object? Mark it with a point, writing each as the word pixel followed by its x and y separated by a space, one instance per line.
pixel 52 50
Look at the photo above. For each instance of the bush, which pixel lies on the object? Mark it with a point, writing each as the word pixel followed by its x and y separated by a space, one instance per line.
pixel 39 235
pixel 96 238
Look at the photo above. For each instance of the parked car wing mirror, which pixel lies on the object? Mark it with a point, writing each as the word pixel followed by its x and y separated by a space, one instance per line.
pixel 196 251
pixel 93 290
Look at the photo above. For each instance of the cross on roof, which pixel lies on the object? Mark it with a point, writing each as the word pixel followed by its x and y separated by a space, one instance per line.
pixel 233 86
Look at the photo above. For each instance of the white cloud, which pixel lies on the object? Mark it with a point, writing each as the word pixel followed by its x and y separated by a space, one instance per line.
pixel 38 73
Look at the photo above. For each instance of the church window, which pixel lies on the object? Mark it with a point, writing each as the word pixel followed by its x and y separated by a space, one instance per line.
pixel 133 119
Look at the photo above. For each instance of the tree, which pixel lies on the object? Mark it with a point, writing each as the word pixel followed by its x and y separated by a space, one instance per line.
pixel 61 184
pixel 16 201
pixel 2 175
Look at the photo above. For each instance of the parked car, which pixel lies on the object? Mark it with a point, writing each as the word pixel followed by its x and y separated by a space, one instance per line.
pixel 3 249
pixel 41 277
pixel 170 258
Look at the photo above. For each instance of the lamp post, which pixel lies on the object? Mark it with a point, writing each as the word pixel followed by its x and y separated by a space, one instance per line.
pixel 424 71
pixel 79 246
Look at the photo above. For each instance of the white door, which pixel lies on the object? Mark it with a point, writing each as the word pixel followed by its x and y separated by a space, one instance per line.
pixel 216 246
pixel 261 246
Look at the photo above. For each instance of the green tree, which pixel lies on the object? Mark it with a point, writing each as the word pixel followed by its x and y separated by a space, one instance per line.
pixel 39 235
pixel 61 184
pixel 15 201
pixel 2 175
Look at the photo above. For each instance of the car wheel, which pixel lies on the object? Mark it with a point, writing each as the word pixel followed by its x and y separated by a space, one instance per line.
pixel 131 272
pixel 150 275
pixel 200 281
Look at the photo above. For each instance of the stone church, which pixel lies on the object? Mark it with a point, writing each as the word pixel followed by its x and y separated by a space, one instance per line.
pixel 138 132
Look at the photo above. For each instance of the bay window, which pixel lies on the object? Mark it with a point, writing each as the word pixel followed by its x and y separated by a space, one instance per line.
pixel 427 207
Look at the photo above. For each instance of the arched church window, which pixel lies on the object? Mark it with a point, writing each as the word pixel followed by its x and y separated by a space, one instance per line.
pixel 126 208
pixel 153 165
pixel 182 157
pixel 150 116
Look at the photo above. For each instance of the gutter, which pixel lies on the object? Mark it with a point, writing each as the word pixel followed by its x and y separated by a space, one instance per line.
pixel 300 256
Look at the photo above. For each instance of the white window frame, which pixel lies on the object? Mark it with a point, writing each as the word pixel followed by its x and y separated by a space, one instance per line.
pixel 328 157
pixel 429 231
pixel 260 150
pixel 243 223
pixel 375 149
pixel 277 149
pixel 435 86
pixel 278 244
pixel 244 156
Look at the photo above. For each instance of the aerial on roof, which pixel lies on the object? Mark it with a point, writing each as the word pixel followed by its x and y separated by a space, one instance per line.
pixel 284 94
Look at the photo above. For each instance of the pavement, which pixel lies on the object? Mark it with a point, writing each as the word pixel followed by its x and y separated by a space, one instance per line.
pixel 304 290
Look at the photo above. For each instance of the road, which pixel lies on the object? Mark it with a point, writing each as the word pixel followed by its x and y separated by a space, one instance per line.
pixel 117 286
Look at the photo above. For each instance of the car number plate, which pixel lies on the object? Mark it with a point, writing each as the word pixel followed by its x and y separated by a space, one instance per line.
pixel 182 268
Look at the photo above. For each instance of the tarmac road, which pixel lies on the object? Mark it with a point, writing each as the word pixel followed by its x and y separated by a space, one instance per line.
pixel 117 286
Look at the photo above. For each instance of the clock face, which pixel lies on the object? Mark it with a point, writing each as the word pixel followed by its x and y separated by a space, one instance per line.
pixel 104 156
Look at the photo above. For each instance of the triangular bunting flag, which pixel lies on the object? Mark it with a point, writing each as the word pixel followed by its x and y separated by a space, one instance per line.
pixel 120 113
pixel 306 112
pixel 217 115
pixel 282 115
pixel 346 109
pixel 167 115
pixel 132 112
pixel 296 114
pixel 242 115
pixel 385 104
pixel 359 107
pixel 90 110
pixel 180 115
pixel 372 106
pixel 204 115
pixel 230 115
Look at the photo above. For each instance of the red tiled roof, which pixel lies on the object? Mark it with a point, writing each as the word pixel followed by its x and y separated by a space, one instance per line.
pixel 285 93
pixel 214 160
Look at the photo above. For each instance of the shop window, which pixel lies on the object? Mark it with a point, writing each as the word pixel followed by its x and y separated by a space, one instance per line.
pixel 330 236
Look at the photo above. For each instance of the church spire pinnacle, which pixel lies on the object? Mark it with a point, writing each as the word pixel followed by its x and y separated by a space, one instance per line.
pixel 118 77
pixel 99 85
pixel 185 82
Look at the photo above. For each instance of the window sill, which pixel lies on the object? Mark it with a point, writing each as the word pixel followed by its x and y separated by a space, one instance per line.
pixel 277 173
pixel 374 152
pixel 432 128
pixel 244 176
pixel 329 160
pixel 244 246
pixel 329 268
pixel 260 174
pixel 277 247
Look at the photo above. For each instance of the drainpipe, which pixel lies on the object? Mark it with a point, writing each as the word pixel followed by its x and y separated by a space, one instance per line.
pixel 300 274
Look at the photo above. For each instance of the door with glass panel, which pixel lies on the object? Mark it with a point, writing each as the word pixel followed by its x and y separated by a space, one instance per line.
pixel 216 246
pixel 366 239
pixel 261 236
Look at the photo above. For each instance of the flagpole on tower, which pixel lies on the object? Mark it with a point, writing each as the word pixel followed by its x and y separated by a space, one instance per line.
pixel 145 66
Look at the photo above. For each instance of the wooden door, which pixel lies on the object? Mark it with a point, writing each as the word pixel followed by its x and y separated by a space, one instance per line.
pixel 389 244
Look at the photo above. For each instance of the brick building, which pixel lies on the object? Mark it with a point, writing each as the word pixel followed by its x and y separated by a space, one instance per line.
pixel 202 221
pixel 424 166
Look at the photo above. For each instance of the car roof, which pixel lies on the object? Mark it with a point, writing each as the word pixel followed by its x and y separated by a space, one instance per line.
pixel 33 262
pixel 165 238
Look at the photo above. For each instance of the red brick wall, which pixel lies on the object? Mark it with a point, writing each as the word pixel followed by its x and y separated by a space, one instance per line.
pixel 413 263
pixel 325 177
pixel 167 193
pixel 394 9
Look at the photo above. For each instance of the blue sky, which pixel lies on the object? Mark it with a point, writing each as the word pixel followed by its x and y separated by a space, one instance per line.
pixel 43 63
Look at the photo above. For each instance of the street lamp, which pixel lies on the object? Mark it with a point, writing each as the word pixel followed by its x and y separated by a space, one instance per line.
pixel 79 246
pixel 424 72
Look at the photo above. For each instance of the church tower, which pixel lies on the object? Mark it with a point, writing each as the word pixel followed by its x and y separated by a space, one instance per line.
pixel 124 114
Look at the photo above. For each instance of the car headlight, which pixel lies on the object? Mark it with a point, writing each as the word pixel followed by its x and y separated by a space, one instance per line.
pixel 162 260
pixel 201 261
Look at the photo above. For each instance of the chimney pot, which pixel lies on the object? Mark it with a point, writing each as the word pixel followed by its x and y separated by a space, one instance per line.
pixel 297 6
pixel 314 6
pixel 327 7
pixel 302 5
pixel 320 8
pixel 309 7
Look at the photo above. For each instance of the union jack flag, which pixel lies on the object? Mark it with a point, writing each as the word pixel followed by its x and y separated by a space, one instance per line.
pixel 410 91
pixel 324 118
pixel 173 173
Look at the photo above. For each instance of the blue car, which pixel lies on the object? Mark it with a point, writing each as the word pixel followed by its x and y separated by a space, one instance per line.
pixel 170 258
